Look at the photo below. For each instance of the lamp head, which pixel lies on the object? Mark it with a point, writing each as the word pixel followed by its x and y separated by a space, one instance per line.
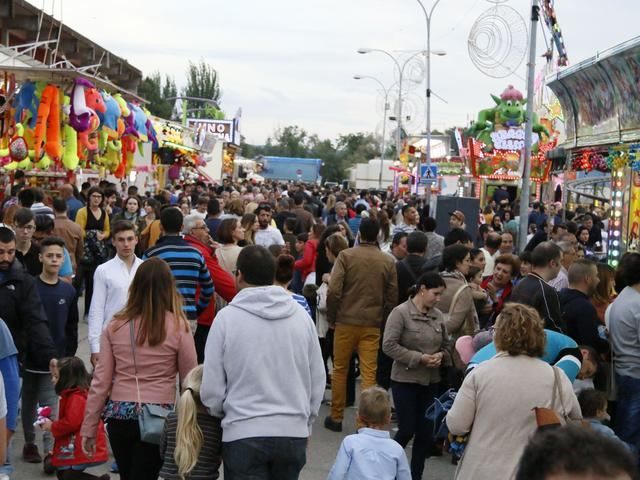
pixel 362 51
pixel 357 77
pixel 439 53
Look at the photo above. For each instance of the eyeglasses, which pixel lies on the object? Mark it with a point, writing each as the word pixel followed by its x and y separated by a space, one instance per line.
pixel 201 227
pixel 27 228
pixel 96 195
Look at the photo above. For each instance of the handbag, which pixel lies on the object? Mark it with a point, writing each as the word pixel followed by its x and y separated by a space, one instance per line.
pixel 548 418
pixel 151 418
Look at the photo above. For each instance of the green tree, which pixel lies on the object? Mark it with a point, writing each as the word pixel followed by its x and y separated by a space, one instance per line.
pixel 152 90
pixel 202 82
pixel 358 147
pixel 290 141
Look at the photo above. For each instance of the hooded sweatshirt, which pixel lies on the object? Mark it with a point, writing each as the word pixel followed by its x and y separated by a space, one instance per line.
pixel 263 370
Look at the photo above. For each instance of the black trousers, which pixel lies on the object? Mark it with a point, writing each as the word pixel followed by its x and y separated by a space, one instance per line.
pixel 137 460
pixel 200 339
pixel 411 401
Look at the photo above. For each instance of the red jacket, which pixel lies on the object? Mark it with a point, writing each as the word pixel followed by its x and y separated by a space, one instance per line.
pixel 67 447
pixel 223 283
pixel 501 300
pixel 307 263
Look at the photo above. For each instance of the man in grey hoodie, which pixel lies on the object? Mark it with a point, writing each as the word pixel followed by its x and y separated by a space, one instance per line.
pixel 263 374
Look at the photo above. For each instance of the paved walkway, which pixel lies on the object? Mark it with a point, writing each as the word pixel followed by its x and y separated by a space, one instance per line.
pixel 322 448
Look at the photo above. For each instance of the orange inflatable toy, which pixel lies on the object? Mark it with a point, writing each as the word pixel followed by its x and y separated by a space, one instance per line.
pixel 47 131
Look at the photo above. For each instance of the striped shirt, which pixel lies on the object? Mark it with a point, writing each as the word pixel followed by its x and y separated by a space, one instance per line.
pixel 189 270
pixel 209 459
pixel 302 302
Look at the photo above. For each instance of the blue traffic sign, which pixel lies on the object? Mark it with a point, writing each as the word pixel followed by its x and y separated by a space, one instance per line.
pixel 428 174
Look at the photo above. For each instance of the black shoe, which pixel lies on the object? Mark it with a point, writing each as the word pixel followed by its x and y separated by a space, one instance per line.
pixel 331 424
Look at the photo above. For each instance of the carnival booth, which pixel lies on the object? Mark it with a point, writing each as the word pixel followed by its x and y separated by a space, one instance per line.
pixel 59 123
pixel 495 145
pixel 600 99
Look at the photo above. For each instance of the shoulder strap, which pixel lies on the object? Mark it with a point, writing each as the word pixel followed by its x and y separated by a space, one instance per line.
pixel 135 366
pixel 556 387
pixel 454 300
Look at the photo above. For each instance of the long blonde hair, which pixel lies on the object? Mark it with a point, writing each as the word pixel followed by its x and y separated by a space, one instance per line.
pixel 189 438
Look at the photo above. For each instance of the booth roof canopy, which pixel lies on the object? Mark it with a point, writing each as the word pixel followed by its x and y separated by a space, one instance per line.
pixel 600 97
pixel 308 161
pixel 23 23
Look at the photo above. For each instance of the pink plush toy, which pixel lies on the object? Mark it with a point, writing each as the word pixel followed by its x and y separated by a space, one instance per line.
pixel 44 415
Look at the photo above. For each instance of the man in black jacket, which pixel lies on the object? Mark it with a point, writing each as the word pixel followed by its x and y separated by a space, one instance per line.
pixel 21 308
pixel 578 313
pixel 533 290
pixel 412 266
pixel 23 313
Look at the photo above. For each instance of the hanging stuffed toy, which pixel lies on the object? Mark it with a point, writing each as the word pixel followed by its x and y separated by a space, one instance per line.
pixel 95 104
pixel 70 158
pixel 151 131
pixel 80 116
pixel 140 121
pixel 48 124
pixel 44 163
pixel 111 115
pixel 26 100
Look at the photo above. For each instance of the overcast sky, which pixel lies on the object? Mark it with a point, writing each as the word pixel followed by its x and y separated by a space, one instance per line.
pixel 292 62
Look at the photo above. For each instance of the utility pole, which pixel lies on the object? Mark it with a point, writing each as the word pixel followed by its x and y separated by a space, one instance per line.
pixel 525 195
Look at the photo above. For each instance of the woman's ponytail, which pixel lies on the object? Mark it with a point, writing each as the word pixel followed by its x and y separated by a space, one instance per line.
pixel 189 438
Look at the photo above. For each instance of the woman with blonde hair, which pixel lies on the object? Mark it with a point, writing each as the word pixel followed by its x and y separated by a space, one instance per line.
pixel 251 225
pixel 142 351
pixel 605 292
pixel 192 440
pixel 497 401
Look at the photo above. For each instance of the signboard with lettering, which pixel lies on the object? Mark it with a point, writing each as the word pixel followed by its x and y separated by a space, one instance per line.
pixel 496 141
pixel 222 130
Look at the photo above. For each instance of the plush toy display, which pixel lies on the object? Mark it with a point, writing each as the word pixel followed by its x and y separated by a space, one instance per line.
pixel 88 124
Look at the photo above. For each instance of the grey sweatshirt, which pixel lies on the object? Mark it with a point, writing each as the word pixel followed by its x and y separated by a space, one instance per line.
pixel 263 369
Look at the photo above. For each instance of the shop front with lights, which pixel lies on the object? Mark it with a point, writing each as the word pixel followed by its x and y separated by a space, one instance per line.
pixel 600 99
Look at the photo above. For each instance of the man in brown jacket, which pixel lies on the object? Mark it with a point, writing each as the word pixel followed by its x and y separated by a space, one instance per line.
pixel 362 292
pixel 304 217
pixel 69 231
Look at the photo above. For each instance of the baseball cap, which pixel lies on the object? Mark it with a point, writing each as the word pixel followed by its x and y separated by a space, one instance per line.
pixel 458 214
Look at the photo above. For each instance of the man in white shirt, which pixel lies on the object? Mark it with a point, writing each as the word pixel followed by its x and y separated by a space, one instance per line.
pixel 490 251
pixel 111 283
pixel 410 219
pixel 569 256
pixel 266 234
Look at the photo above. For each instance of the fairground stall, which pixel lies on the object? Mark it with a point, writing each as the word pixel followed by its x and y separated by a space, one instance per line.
pixel 600 99
pixel 56 124
pixel 495 145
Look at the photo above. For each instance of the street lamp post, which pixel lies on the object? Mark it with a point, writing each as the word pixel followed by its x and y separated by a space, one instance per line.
pixel 400 79
pixel 428 16
pixel 384 121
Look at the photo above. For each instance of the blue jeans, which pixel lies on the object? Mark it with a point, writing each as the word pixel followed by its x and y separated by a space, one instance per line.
pixel 264 458
pixel 628 410
pixel 412 401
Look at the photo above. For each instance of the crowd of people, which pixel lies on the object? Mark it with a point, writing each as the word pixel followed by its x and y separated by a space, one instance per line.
pixel 260 301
